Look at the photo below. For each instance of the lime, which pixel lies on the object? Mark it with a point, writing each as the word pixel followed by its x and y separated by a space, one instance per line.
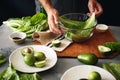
pixel 94 76
pixel 40 63
pixel 39 56
pixel 29 59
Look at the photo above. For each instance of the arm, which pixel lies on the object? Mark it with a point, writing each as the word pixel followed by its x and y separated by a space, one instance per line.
pixel 95 6
pixel 53 16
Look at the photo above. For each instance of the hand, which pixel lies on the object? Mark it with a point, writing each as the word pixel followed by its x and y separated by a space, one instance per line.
pixel 95 7
pixel 53 19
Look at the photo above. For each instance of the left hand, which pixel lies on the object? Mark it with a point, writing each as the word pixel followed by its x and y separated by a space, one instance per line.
pixel 94 6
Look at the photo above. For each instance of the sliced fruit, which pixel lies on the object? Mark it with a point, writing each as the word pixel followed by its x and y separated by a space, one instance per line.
pixel 39 56
pixel 40 63
pixel 56 43
pixel 27 50
pixel 94 76
pixel 88 58
pixel 104 50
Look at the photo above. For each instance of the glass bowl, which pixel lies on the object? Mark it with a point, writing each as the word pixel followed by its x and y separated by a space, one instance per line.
pixel 78 34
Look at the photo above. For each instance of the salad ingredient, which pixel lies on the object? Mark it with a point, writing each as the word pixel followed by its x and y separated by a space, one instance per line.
pixel 79 30
pixel 27 50
pixel 104 50
pixel 114 46
pixel 28 24
pixel 56 43
pixel 39 56
pixel 94 75
pixel 40 64
pixel 2 59
pixel 113 68
pixel 88 58
pixel 29 59
pixel 11 74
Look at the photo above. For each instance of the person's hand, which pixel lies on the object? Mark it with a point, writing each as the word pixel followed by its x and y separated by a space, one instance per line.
pixel 53 19
pixel 94 6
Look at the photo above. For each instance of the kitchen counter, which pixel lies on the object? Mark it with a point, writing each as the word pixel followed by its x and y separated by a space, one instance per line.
pixel 63 64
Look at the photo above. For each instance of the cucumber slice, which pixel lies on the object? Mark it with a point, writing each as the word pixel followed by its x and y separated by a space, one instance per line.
pixel 104 50
pixel 56 43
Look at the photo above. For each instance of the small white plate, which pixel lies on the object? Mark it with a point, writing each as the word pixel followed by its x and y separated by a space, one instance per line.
pixel 17 61
pixel 79 72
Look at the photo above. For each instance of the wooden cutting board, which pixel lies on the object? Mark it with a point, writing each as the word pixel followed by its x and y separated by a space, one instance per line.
pixel 89 46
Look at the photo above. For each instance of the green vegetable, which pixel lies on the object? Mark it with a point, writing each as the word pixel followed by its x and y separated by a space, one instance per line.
pixel 114 46
pixel 88 58
pixel 72 24
pixel 78 30
pixel 28 24
pixel 2 59
pixel 11 74
pixel 113 68
pixel 104 50
pixel 56 43
pixel 37 18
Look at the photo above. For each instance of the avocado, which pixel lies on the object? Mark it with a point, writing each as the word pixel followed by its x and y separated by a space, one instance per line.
pixel 56 43
pixel 27 50
pixel 40 64
pixel 88 58
pixel 104 50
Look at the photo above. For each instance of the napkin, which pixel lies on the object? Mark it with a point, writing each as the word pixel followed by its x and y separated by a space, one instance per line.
pixel 47 37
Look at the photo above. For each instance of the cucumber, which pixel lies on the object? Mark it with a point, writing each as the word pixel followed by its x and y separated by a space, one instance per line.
pixel 56 43
pixel 104 50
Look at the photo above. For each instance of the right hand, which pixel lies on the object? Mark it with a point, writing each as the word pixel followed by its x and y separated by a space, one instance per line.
pixel 53 19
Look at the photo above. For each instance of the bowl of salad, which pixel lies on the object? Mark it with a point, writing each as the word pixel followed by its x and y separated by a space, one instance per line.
pixel 79 27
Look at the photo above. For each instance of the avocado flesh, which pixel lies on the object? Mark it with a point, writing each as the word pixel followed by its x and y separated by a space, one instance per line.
pixel 104 50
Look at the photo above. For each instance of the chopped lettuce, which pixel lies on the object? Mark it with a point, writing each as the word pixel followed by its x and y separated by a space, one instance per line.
pixel 79 30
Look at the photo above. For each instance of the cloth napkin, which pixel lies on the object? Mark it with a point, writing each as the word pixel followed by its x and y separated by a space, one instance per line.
pixel 47 37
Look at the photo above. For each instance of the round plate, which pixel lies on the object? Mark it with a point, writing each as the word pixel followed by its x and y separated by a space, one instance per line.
pixel 17 61
pixel 79 72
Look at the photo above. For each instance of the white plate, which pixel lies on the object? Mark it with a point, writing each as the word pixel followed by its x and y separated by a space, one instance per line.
pixel 16 59
pixel 79 72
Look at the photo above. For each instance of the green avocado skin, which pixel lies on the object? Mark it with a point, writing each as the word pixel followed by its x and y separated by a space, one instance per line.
pixel 88 58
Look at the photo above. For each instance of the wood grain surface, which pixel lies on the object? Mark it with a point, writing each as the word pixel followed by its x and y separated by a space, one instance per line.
pixel 89 46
